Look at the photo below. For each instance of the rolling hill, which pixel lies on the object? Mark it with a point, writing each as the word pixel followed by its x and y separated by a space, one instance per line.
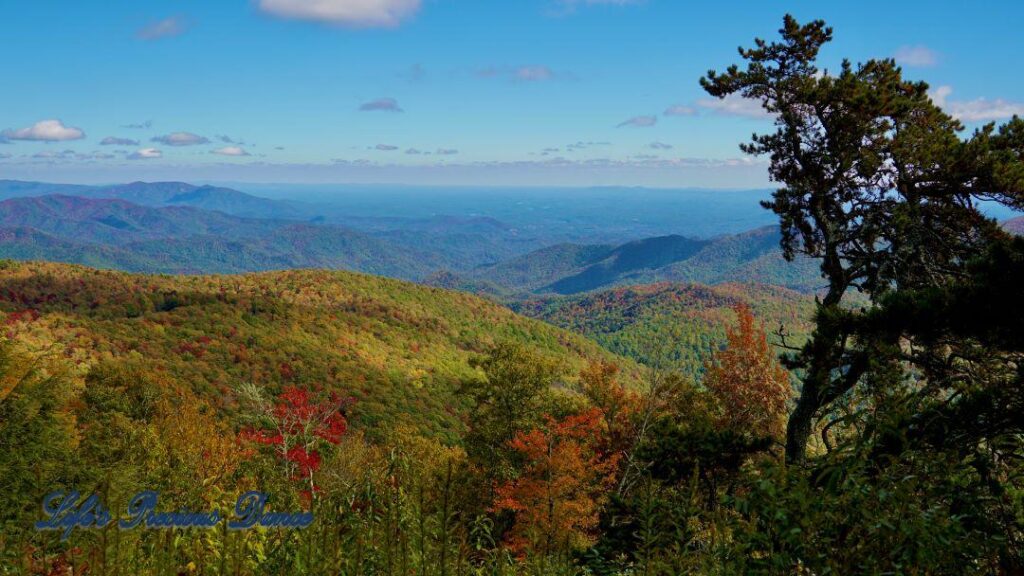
pixel 752 256
pixel 401 349
pixel 127 236
pixel 671 324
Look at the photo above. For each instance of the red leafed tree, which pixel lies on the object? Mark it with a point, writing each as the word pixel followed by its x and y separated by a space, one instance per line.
pixel 748 381
pixel 562 485
pixel 297 425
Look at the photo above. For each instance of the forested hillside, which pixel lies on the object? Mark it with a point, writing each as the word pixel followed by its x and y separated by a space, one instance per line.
pixel 179 239
pixel 840 393
pixel 677 326
pixel 752 256
pixel 400 349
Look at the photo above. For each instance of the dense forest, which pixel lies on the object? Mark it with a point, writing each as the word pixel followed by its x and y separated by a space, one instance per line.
pixel 673 326
pixel 878 430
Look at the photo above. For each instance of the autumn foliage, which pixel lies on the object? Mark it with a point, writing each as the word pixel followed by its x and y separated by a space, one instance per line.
pixel 748 381
pixel 563 482
pixel 297 425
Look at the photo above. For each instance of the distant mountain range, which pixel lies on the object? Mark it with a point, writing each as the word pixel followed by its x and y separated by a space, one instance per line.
pixel 174 227
pixel 753 257
pixel 460 242
pixel 171 228
pixel 127 236
pixel 163 194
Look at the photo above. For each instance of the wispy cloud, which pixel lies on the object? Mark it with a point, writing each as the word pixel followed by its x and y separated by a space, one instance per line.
pixel 166 28
pixel 734 105
pixel 680 110
pixel 977 110
pixel 181 139
pixel 140 126
pixel 230 151
pixel 356 13
pixel 523 73
pixel 145 154
pixel 381 105
pixel 640 122
pixel 916 56
pixel 583 145
pixel 446 151
pixel 533 73
pixel 115 141
pixel 55 156
pixel 44 131
pixel 565 7
pixel 659 146
pixel 385 147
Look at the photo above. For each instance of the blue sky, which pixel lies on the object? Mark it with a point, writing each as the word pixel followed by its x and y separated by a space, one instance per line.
pixel 496 92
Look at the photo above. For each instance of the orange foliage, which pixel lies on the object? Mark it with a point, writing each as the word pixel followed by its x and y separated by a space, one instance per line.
pixel 748 382
pixel 564 482
pixel 618 405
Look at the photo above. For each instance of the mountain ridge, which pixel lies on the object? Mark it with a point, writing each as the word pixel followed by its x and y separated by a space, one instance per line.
pixel 117 233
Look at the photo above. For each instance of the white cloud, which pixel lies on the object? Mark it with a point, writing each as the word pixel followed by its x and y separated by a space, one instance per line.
pixel 145 154
pixel 680 110
pixel 359 13
pixel 385 147
pixel 659 146
pixel 977 110
pixel 640 121
pixel 115 141
pixel 166 28
pixel 381 105
pixel 45 131
pixel 181 139
pixel 734 105
pixel 230 151
pixel 917 56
